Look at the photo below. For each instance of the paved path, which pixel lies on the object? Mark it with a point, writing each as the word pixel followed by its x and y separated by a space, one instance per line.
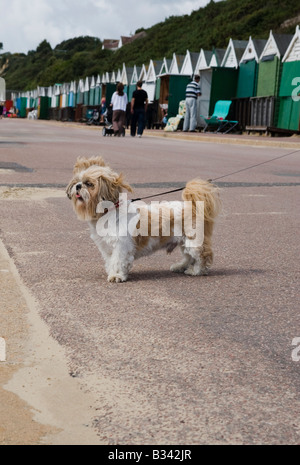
pixel 163 358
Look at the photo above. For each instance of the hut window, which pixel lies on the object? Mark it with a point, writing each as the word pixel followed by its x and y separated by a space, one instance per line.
pixel 268 58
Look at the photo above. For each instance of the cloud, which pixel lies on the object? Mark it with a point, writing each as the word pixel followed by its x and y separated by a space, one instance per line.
pixel 26 23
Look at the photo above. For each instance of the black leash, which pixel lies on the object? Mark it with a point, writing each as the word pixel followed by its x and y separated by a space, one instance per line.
pixel 157 195
pixel 254 166
pixel 220 177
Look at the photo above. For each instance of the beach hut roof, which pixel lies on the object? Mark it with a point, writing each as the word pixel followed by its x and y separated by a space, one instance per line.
pixel 293 51
pixel 143 73
pixel 259 45
pixel 176 64
pixel 87 85
pixel 217 57
pixel 119 75
pixel 277 45
pixel 126 75
pixel 80 85
pixel 65 88
pixel 204 59
pixel 157 66
pixel 233 54
pixel 153 70
pixel 92 82
pixel 253 50
pixel 112 77
pixel 166 63
pixel 189 63
pixel 73 86
pixel 135 74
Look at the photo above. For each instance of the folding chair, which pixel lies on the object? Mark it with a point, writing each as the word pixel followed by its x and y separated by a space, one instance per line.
pixel 218 119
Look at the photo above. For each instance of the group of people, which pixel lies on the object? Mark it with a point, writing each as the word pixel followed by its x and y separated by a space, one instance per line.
pixel 139 104
pixel 138 108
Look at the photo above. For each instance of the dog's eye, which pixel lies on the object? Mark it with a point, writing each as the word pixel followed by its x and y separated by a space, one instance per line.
pixel 89 184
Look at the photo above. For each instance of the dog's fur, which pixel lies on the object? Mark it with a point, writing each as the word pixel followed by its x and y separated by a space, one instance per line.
pixel 94 182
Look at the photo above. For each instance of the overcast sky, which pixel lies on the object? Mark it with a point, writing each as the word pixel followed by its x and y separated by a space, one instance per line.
pixel 26 23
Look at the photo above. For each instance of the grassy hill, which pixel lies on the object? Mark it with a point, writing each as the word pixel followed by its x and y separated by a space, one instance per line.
pixel 208 27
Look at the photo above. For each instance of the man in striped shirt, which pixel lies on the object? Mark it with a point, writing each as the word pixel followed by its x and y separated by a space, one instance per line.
pixel 193 91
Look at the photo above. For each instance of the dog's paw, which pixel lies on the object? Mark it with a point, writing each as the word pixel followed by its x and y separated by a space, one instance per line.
pixel 117 278
pixel 191 272
pixel 178 268
pixel 196 271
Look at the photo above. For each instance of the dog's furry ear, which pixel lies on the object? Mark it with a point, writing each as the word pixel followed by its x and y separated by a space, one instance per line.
pixel 111 186
pixel 83 163
pixel 122 184
pixel 69 188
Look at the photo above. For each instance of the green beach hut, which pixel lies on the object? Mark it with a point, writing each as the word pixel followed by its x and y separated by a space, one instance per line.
pixel 98 91
pixel 247 81
pixel 263 106
pixel 289 90
pixel 217 83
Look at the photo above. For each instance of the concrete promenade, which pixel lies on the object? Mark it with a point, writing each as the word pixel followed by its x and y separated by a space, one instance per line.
pixel 164 358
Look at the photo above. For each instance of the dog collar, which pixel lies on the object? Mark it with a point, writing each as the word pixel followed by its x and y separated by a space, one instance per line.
pixel 116 206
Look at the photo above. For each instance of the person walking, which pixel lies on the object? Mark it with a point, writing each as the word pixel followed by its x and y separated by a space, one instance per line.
pixel 119 102
pixel 139 105
pixel 193 91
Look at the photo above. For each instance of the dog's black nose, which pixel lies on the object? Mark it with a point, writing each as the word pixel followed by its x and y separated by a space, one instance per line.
pixel 78 187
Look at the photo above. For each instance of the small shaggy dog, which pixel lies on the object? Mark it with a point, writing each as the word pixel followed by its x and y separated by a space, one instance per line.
pixel 124 231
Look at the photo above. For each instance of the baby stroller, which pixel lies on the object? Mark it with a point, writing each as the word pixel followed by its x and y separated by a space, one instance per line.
pixel 93 117
pixel 108 128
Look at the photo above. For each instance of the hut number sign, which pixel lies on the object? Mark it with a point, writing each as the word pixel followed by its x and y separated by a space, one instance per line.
pixel 296 90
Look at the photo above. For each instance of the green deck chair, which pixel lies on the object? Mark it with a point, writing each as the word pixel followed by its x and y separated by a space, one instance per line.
pixel 218 119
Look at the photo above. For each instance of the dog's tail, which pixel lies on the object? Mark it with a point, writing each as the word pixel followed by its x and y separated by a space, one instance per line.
pixel 198 190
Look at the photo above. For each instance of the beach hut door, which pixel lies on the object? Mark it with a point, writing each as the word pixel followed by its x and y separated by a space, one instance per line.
pixel 204 100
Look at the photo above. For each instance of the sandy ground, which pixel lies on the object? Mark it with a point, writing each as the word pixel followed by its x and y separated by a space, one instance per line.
pixel 17 423
pixel 46 405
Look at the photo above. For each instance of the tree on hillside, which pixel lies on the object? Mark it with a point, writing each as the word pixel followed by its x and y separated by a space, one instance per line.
pixel 1 45
pixel 79 44
pixel 44 47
